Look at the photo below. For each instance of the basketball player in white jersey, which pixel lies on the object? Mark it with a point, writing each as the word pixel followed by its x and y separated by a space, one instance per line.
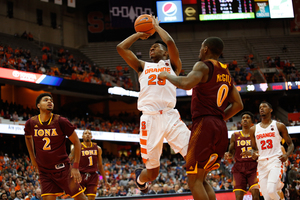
pixel 266 137
pixel 156 100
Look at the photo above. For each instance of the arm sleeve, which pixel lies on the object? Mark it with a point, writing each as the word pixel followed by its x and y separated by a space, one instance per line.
pixel 27 128
pixel 66 126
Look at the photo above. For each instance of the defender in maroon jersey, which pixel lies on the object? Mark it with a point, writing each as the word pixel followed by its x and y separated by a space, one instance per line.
pixel 90 162
pixel 213 89
pixel 244 169
pixel 45 137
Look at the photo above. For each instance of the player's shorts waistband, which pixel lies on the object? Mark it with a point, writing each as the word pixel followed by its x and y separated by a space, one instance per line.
pixel 159 112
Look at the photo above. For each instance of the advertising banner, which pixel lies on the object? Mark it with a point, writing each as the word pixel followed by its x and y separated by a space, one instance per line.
pixel 169 11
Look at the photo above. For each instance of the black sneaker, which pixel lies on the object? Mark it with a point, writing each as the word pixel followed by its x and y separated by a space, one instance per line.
pixel 143 188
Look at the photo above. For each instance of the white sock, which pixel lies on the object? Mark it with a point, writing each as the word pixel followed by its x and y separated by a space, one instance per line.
pixel 139 181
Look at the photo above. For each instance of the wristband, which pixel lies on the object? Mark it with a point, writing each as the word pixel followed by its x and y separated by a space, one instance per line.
pixel 76 165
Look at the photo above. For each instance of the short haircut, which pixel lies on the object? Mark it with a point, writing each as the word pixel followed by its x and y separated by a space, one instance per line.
pixel 270 106
pixel 161 42
pixel 248 113
pixel 39 98
pixel 215 45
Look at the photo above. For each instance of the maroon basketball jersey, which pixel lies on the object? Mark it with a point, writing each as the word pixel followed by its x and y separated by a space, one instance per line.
pixel 242 144
pixel 89 158
pixel 210 98
pixel 49 140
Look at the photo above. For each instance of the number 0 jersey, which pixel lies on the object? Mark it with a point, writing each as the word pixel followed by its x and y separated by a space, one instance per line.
pixel 88 158
pixel 210 98
pixel 268 141
pixel 154 94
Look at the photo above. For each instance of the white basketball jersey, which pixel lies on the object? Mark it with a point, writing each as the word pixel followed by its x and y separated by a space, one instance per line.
pixel 268 141
pixel 156 95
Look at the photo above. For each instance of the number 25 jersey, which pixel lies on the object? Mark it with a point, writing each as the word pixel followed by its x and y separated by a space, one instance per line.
pixel 268 141
pixel 154 94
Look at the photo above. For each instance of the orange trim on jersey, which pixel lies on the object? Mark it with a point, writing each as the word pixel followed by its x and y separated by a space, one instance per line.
pixel 86 146
pixel 49 120
pixel 195 170
pixel 239 190
pixel 253 186
pixel 52 194
pixel 91 194
pixel 143 142
pixel 144 133
pixel 242 133
pixel 144 160
pixel 144 151
pixel 211 162
pixel 82 190
pixel 214 167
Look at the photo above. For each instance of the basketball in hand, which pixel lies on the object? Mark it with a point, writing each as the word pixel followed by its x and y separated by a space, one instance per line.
pixel 144 24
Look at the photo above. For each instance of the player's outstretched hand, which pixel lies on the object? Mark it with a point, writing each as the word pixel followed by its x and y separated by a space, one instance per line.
pixel 283 157
pixel 227 156
pixel 155 21
pixel 163 75
pixel 76 174
pixel 246 153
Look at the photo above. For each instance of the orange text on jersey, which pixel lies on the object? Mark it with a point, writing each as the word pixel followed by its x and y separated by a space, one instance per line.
pixel 157 70
pixel 45 132
pixel 89 152
pixel 224 78
pixel 271 134
pixel 243 143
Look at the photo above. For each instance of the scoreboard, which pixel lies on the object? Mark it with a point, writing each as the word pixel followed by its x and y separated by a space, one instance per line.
pixel 208 10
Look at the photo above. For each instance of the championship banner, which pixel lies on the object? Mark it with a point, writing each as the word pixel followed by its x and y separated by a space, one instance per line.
pixel 72 3
pixel 59 2
pixel 123 13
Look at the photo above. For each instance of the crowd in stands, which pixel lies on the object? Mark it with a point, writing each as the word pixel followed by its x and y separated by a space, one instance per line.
pixel 63 65
pixel 18 178
pixel 243 74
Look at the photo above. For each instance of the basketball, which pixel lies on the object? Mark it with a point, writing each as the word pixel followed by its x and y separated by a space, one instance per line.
pixel 144 24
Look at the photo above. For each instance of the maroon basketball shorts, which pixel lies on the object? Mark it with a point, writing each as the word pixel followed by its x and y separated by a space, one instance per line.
pixel 209 138
pixel 58 182
pixel 90 182
pixel 244 174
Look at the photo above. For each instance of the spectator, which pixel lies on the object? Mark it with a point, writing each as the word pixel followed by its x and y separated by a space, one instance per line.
pixel 12 195
pixel 3 196
pixel 227 186
pixel 15 117
pixel 155 189
pixel 18 195
pixel 113 192
pixel 233 127
pixel 122 191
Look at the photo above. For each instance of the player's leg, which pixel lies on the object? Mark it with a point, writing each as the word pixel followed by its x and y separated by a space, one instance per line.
pixel 80 196
pixel 255 194
pixel 196 185
pixel 209 190
pixel 262 176
pixel 49 188
pixel 239 195
pixel 274 177
pixel 90 181
pixel 151 142
pixel 239 181
pixel 252 181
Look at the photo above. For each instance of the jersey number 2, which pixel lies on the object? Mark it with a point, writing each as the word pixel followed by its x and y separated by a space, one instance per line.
pixel 47 145
pixel 152 80
pixel 222 94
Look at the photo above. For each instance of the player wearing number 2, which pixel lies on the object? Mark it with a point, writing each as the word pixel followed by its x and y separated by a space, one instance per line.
pixel 156 100
pixel 266 137
pixel 45 137
pixel 213 89
pixel 90 162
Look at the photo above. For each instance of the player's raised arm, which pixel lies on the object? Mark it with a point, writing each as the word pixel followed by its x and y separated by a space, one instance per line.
pixel 284 133
pixel 128 55
pixel 172 48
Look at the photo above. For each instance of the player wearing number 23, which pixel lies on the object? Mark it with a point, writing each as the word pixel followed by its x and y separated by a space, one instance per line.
pixel 213 89
pixel 265 138
pixel 156 100
pixel 45 137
